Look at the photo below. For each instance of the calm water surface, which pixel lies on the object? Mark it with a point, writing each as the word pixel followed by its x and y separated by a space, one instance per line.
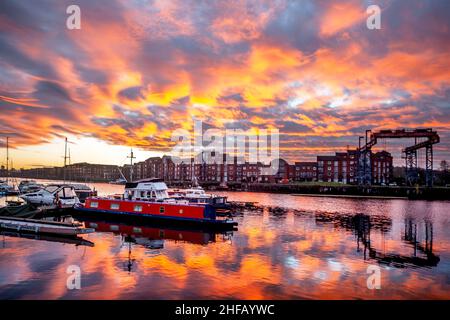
pixel 293 248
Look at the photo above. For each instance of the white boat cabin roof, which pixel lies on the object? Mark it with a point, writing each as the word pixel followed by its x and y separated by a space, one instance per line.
pixel 147 184
pixel 146 190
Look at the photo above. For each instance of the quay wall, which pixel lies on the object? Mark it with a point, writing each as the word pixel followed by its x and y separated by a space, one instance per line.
pixel 419 193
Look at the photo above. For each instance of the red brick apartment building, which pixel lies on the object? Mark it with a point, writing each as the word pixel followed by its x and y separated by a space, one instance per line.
pixel 303 171
pixel 343 167
pixel 382 167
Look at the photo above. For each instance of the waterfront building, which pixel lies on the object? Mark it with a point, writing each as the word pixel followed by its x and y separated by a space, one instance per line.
pixel 343 167
pixel 154 168
pixel 86 171
pixel 250 172
pixel 382 167
pixel 304 171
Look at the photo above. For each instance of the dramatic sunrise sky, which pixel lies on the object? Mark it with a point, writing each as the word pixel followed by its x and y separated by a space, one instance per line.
pixel 139 69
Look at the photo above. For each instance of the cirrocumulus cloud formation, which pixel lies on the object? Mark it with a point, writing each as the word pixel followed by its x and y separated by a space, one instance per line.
pixel 137 70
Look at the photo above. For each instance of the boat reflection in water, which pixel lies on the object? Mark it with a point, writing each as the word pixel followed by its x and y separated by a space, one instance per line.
pixel 421 248
pixel 152 236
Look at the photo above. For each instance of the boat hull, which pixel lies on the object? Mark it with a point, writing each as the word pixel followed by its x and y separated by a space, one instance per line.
pixel 49 202
pixel 42 227
pixel 204 224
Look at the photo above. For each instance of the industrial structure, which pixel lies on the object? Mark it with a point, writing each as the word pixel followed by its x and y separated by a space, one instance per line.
pixel 410 153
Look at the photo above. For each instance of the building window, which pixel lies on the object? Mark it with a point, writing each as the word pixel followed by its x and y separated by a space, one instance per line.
pixel 115 206
pixel 138 208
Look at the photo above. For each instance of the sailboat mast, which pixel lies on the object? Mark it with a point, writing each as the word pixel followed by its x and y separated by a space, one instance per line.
pixel 7 159
pixel 65 160
pixel 131 162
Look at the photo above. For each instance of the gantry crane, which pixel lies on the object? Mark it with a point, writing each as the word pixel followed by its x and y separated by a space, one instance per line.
pixel 371 139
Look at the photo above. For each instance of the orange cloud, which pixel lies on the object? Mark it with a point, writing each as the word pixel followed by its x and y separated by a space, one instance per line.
pixel 133 74
pixel 340 16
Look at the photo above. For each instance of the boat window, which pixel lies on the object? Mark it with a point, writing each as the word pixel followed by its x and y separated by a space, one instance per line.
pixel 181 211
pixel 115 206
pixel 143 194
pixel 68 192
pixel 114 228
pixel 137 230
pixel 161 209
pixel 51 189
pixel 138 208
pixel 153 194
pixel 94 204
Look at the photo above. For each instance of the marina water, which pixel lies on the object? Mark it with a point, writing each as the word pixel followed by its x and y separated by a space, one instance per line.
pixel 294 247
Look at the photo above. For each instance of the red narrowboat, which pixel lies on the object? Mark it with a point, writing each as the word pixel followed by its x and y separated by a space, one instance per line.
pixel 149 199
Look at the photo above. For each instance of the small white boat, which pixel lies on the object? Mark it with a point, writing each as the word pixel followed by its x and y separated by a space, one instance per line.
pixel 198 195
pixel 29 186
pixel 53 195
pixel 5 187
pixel 43 226
pixel 83 191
